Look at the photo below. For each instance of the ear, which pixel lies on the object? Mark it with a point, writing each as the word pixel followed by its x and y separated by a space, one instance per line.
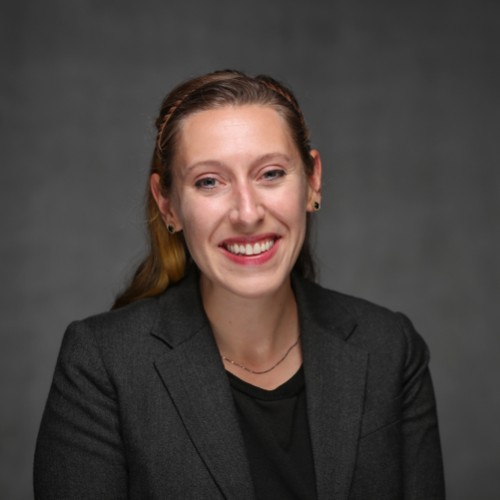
pixel 314 182
pixel 165 204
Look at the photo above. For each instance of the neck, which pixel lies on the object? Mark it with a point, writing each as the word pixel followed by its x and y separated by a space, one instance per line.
pixel 255 332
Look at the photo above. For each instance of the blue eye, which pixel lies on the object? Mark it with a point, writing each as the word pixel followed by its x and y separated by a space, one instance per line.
pixel 274 174
pixel 206 183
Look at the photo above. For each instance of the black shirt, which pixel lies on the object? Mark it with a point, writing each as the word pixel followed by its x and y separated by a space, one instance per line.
pixel 276 434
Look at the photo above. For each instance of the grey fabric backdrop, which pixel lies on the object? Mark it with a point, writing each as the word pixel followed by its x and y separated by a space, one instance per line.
pixel 403 102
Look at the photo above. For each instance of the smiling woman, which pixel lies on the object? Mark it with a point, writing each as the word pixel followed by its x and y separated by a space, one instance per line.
pixel 224 370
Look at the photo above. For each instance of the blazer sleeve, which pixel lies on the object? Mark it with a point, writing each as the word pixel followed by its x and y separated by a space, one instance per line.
pixel 79 453
pixel 422 459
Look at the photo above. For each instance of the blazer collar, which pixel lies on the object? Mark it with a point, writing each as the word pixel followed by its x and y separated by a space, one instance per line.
pixel 180 312
pixel 194 376
pixel 335 374
pixel 195 379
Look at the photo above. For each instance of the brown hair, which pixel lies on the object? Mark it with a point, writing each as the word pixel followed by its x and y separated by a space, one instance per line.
pixel 168 255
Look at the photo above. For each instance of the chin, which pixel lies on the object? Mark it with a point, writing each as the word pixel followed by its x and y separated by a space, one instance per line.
pixel 257 286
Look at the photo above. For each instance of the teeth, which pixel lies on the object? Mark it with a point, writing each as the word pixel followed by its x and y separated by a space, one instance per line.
pixel 249 249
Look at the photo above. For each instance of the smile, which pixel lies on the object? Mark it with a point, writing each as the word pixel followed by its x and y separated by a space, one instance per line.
pixel 250 248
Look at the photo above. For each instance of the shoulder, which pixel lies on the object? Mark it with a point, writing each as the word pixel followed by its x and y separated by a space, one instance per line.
pixel 112 337
pixel 370 326
pixel 335 303
pixel 383 329
pixel 396 354
pixel 140 330
pixel 132 320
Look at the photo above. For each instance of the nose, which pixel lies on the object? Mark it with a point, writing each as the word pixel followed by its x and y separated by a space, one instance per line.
pixel 247 210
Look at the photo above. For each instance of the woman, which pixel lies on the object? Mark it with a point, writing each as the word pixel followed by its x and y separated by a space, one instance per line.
pixel 224 372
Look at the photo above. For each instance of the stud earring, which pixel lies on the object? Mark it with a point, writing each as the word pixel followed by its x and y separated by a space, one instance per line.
pixel 316 205
pixel 171 228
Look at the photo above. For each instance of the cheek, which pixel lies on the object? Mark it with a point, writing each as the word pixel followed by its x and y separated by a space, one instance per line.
pixel 198 218
pixel 291 203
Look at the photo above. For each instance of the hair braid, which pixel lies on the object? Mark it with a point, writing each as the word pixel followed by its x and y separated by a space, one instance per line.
pixel 280 89
pixel 162 121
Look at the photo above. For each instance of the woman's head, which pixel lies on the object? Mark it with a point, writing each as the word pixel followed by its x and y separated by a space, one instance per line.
pixel 221 90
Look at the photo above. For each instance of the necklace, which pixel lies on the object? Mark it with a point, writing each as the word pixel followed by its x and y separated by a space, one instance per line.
pixel 262 371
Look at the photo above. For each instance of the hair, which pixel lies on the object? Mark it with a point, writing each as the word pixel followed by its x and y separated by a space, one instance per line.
pixel 168 257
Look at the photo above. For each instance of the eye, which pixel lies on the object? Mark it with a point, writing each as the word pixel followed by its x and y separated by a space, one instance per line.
pixel 275 173
pixel 206 183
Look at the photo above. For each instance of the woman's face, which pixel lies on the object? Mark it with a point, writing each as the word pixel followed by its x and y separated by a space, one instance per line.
pixel 240 194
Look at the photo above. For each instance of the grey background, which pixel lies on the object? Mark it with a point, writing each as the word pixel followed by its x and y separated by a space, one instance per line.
pixel 402 99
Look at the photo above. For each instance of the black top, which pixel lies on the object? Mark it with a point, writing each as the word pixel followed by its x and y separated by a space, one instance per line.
pixel 276 434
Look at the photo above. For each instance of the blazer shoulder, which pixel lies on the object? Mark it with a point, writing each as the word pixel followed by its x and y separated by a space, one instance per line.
pixel 138 315
pixel 332 302
pixel 115 331
pixel 382 329
pixel 376 327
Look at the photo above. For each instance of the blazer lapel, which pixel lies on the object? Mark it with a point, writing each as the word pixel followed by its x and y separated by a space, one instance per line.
pixel 335 382
pixel 194 377
pixel 196 381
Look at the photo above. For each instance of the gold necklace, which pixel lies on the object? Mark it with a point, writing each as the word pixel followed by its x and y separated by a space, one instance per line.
pixel 262 371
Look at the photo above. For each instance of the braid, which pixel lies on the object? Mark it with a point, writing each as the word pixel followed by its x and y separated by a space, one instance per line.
pixel 282 91
pixel 273 85
pixel 184 91
pixel 162 121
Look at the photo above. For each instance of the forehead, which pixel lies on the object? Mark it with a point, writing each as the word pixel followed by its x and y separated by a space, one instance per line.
pixel 231 130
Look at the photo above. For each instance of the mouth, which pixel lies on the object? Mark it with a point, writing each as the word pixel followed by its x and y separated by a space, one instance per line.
pixel 249 248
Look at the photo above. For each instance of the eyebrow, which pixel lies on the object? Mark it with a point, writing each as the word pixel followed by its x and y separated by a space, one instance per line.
pixel 219 164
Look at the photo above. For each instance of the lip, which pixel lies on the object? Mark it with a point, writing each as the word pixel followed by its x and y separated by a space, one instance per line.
pixel 253 260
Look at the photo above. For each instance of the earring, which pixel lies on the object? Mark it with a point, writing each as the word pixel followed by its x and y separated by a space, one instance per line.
pixel 171 228
pixel 316 205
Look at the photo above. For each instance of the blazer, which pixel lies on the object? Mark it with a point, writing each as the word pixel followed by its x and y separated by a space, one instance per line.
pixel 140 406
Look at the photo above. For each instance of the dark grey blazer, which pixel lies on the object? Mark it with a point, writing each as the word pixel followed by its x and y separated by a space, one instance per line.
pixel 140 406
